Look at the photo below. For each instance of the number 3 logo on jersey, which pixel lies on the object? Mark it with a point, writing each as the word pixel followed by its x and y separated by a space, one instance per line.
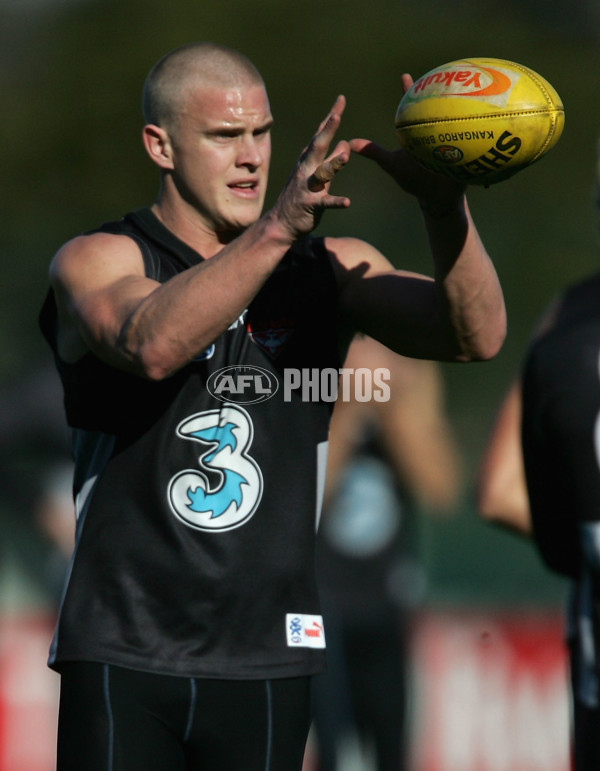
pixel 225 492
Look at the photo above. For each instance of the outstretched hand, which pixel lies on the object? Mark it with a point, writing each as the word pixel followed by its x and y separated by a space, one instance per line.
pixel 306 194
pixel 428 186
pixel 431 188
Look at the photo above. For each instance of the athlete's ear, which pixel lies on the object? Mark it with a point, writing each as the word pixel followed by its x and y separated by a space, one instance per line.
pixel 158 145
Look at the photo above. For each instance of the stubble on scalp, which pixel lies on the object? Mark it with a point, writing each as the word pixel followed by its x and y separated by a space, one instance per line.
pixel 197 64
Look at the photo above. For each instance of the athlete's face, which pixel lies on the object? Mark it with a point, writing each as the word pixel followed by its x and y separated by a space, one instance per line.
pixel 221 153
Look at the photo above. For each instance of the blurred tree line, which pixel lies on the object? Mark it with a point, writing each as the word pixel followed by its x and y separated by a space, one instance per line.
pixel 70 87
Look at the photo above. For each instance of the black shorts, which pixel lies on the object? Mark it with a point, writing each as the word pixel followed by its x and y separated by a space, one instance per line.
pixel 117 719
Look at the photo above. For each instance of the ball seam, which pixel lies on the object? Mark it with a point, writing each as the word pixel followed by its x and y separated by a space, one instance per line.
pixel 503 116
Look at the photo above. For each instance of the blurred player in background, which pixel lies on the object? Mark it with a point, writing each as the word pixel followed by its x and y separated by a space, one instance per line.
pixel 36 479
pixel 54 515
pixel 540 476
pixel 388 461
pixel 190 624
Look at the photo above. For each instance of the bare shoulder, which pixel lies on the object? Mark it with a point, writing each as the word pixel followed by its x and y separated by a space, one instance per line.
pixel 354 255
pixel 92 276
pixel 98 257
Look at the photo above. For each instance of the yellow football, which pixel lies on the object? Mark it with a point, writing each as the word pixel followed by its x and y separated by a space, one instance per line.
pixel 479 120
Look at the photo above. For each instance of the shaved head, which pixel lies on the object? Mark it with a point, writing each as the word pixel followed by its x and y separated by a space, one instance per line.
pixel 193 65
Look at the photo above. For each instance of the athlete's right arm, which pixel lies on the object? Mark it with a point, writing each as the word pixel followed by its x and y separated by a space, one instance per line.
pixel 98 280
pixel 107 305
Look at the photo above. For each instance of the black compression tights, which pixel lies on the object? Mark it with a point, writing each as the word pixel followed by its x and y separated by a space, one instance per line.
pixel 116 719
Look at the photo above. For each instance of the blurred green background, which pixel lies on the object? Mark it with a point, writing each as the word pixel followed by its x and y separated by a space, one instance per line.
pixel 71 77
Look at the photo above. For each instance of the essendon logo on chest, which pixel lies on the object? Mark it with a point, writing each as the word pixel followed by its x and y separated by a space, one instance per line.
pixel 271 336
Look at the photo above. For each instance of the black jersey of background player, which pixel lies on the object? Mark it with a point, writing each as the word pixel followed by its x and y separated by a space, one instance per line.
pixel 197 500
pixel 561 445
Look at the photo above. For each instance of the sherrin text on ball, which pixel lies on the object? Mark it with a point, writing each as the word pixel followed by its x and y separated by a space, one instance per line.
pixel 479 120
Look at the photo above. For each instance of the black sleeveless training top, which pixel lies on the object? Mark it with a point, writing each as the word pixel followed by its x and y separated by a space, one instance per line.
pixel 197 496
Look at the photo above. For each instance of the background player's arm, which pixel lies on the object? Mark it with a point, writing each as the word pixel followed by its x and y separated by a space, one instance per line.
pixel 418 435
pixel 412 426
pixel 502 496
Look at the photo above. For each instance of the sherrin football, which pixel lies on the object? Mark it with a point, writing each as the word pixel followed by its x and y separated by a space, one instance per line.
pixel 479 120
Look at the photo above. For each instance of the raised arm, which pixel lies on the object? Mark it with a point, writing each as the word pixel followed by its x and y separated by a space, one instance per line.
pixel 458 314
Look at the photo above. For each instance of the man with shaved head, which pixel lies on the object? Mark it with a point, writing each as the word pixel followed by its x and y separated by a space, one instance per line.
pixel 177 71
pixel 196 340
